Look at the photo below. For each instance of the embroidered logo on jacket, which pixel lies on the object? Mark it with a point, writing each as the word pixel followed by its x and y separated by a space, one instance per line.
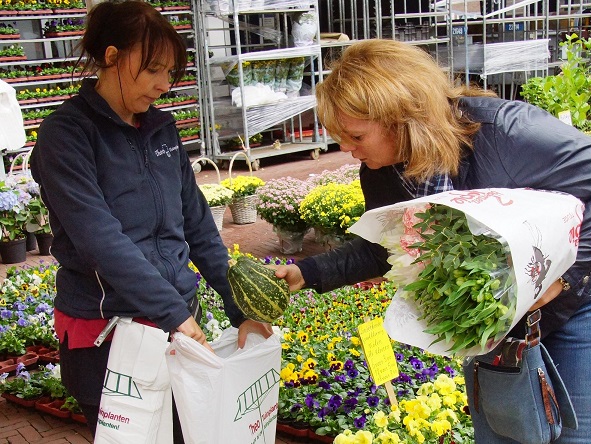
pixel 164 149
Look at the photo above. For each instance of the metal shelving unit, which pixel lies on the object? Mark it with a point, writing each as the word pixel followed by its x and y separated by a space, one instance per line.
pixel 47 51
pixel 248 42
pixel 501 43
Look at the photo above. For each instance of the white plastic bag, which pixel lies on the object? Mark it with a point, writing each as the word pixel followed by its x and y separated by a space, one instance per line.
pixel 12 130
pixel 228 397
pixel 136 403
pixel 541 229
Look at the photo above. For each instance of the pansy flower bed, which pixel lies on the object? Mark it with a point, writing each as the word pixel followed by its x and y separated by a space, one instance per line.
pixel 326 385
pixel 26 309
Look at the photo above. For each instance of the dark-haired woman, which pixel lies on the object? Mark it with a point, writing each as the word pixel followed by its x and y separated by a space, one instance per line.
pixel 125 211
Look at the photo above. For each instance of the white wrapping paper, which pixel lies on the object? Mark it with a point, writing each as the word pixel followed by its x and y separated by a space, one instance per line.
pixel 541 229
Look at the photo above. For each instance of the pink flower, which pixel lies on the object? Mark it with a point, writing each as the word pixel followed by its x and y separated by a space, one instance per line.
pixel 408 239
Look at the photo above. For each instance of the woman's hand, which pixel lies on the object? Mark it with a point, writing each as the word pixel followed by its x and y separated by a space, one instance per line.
pixel 191 329
pixel 250 326
pixel 292 274
pixel 553 291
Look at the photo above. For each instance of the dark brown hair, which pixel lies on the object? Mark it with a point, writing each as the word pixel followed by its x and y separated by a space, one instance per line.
pixel 123 25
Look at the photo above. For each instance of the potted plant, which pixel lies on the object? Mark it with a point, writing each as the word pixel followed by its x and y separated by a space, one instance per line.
pixel 64 27
pixel 279 204
pixel 62 6
pixel 23 389
pixel 72 405
pixel 38 223
pixel 569 91
pixel 331 209
pixel 9 32
pixel 243 206
pixel 13 217
pixel 12 53
pixel 191 133
pixel 218 198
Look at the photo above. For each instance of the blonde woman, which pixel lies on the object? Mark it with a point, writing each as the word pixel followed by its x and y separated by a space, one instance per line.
pixel 392 107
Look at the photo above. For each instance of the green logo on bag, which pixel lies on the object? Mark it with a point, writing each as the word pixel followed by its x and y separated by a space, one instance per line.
pixel 254 395
pixel 118 384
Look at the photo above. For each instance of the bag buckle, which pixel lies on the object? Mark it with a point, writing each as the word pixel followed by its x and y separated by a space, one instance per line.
pixel 532 328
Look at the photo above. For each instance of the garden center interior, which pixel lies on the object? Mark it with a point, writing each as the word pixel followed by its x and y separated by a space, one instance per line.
pixel 284 47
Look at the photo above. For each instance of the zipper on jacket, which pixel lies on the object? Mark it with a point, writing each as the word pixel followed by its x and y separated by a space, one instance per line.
pixel 159 202
pixel 136 153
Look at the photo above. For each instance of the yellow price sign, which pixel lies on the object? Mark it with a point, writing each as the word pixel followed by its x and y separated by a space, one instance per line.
pixel 379 354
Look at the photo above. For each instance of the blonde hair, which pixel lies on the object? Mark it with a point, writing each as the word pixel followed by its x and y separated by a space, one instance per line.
pixel 402 88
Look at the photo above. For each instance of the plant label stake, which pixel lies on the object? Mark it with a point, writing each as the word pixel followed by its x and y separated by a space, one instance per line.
pixel 379 355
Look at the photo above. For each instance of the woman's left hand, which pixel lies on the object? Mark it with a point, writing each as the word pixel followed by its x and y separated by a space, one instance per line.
pixel 250 326
pixel 553 291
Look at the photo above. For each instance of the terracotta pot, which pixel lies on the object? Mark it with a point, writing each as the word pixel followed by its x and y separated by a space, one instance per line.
pixel 292 431
pixel 69 11
pixel 187 121
pixel 7 366
pixel 13 58
pixel 186 139
pixel 16 80
pixel 63 33
pixel 28 359
pixel 175 8
pixel 13 252
pixel 7 12
pixel 52 357
pixel 52 406
pixel 20 401
pixel 10 36
pixel 78 417
pixel 35 12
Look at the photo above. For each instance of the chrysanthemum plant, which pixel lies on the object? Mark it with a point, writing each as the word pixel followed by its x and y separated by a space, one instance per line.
pixel 216 195
pixel 243 186
pixel 279 203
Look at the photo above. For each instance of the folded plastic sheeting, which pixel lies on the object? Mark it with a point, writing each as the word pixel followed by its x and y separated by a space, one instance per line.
pixel 494 58
pixel 227 6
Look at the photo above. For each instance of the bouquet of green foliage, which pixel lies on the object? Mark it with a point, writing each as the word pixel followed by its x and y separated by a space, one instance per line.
pixel 469 264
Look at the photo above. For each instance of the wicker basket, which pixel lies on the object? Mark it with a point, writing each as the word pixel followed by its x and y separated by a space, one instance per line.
pixel 218 215
pixel 217 212
pixel 244 210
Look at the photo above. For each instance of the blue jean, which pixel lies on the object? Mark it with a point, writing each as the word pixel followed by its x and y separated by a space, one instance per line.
pixel 570 349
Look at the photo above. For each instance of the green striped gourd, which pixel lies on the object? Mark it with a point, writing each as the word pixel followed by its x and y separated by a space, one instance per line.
pixel 257 291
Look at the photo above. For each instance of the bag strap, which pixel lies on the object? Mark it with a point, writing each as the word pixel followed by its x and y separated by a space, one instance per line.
pixel 532 328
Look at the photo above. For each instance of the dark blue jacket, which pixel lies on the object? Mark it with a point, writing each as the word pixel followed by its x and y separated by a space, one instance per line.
pixel 518 145
pixel 126 214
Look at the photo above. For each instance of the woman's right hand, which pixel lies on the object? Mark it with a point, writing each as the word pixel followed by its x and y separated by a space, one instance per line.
pixel 191 329
pixel 292 274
